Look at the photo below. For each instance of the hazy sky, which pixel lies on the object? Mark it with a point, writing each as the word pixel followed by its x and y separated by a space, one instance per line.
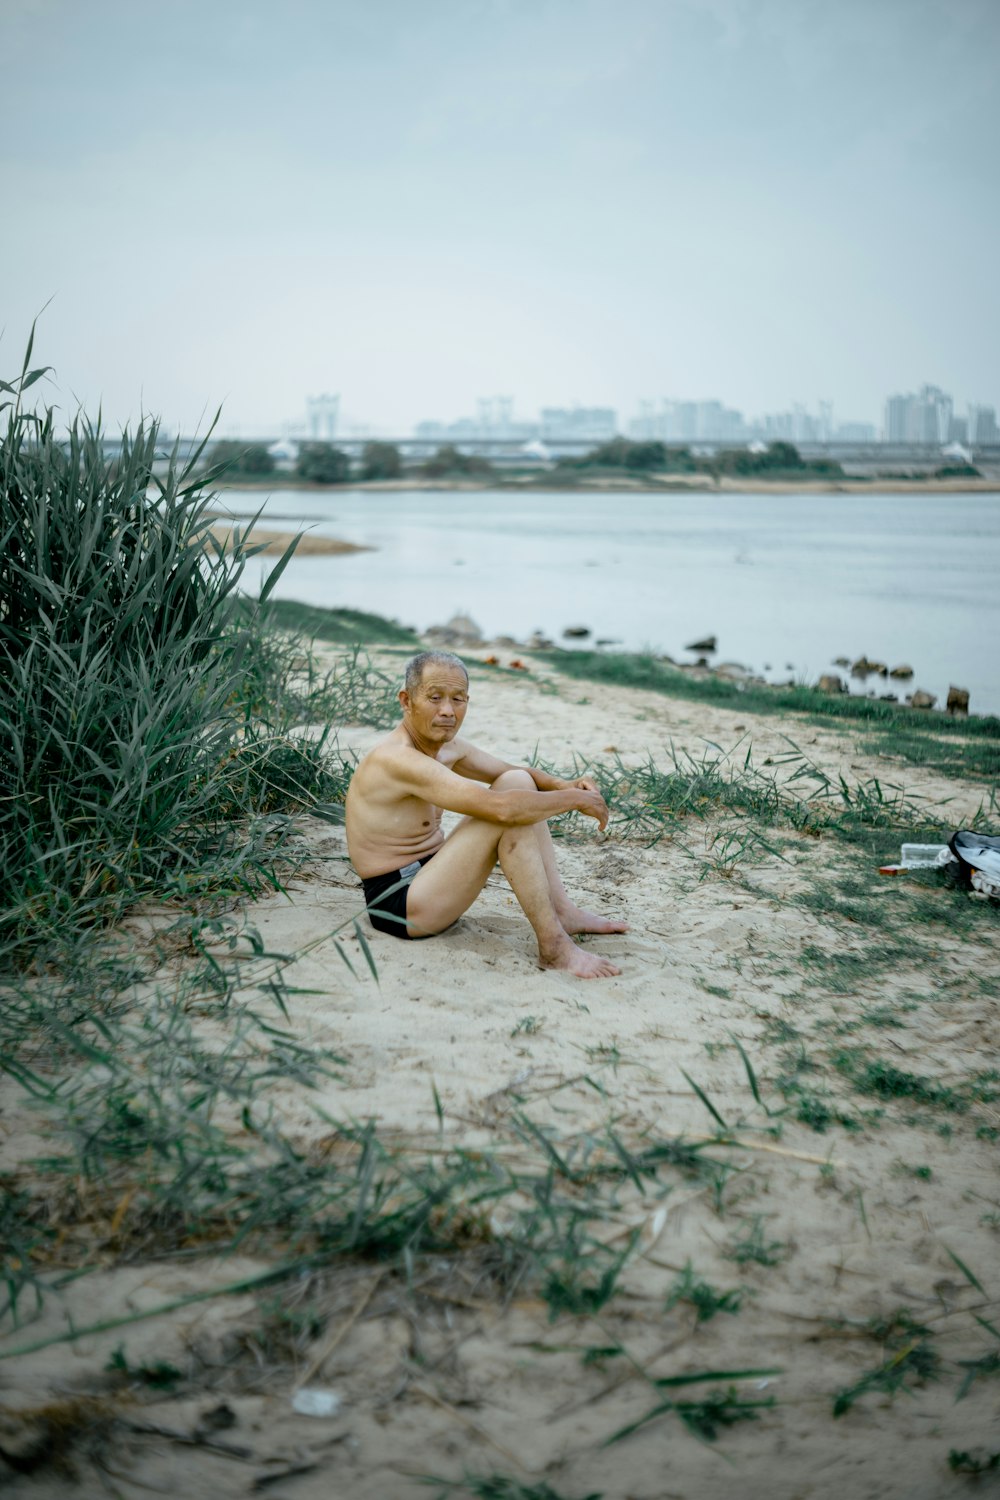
pixel 416 202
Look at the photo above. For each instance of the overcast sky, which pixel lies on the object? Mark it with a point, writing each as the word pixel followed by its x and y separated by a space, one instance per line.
pixel 418 202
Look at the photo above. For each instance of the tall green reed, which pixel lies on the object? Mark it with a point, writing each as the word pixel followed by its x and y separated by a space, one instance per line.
pixel 123 677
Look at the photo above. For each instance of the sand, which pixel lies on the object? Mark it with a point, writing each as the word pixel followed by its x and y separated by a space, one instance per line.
pixel 274 543
pixel 447 1381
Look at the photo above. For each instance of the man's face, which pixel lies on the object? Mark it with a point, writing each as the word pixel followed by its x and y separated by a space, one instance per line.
pixel 436 710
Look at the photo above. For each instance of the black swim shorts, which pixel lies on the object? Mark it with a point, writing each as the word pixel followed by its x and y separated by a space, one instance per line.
pixel 385 898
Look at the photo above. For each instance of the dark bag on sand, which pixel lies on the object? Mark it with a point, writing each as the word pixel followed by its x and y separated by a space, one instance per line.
pixel 978 856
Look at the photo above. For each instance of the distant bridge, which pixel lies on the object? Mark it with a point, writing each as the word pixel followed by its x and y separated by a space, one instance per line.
pixel 511 452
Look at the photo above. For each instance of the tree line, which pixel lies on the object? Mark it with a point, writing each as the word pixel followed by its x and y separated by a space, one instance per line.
pixel 655 457
pixel 325 463
pixel 318 463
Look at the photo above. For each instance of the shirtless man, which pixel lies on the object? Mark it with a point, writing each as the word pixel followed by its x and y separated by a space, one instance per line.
pixel 417 882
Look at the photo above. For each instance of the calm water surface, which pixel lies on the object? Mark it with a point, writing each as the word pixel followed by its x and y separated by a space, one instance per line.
pixel 786 582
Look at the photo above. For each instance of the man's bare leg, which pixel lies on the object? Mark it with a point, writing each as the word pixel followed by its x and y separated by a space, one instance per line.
pixel 447 887
pixel 574 918
pixel 522 863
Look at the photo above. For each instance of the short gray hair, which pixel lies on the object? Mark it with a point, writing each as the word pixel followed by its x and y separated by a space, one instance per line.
pixel 416 665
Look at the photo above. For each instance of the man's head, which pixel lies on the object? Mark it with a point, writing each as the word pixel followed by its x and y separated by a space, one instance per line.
pixel 435 697
pixel 419 664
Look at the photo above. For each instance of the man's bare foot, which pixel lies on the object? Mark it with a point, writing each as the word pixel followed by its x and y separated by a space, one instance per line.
pixel 578 919
pixel 577 961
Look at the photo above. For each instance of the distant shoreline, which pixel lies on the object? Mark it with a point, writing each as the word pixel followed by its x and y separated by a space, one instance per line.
pixel 653 485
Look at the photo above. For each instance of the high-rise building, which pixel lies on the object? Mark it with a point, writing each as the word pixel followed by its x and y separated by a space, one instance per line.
pixel 646 426
pixel 495 415
pixel 717 423
pixel 795 426
pixel 494 422
pixel 983 425
pixel 321 417
pixel 936 412
pixel 924 418
pixel 688 422
pixel 682 422
pixel 591 424
pixel 896 409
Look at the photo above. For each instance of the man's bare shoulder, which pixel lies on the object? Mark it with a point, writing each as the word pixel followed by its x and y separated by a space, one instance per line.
pixel 398 739
pixel 397 748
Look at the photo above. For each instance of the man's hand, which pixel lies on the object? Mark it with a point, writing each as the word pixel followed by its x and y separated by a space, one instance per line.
pixel 546 782
pixel 592 804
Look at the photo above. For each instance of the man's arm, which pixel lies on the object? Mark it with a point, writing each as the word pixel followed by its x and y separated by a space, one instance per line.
pixel 476 764
pixel 424 777
pixel 547 783
pixel 479 765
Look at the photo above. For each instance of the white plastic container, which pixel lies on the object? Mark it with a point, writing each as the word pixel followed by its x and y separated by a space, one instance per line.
pixel 924 856
pixel 312 1401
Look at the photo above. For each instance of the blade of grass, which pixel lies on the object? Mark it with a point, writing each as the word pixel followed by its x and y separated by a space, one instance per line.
pixel 705 1100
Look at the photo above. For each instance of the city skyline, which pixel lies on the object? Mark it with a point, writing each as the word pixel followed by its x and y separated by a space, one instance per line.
pixel 930 416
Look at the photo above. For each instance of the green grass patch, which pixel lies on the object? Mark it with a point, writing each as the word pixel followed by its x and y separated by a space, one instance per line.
pixel 960 1461
pixel 883 1080
pixel 972 758
pixel 911 1361
pixel 848 973
pixel 751 815
pixel 500 1487
pixel 705 1299
pixel 754 1248
pixel 931 903
pixel 980 734
pixel 346 627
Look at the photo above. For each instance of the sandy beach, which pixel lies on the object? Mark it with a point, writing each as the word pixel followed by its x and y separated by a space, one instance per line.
pixel 273 543
pixel 864 1241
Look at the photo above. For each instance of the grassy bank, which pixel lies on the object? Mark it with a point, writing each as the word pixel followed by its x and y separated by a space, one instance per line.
pixel 957 746
pixel 345 627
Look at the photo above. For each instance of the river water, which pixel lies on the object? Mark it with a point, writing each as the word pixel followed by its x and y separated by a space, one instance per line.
pixel 786 582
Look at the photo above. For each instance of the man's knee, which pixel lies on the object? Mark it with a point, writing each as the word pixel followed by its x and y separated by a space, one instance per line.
pixel 513 780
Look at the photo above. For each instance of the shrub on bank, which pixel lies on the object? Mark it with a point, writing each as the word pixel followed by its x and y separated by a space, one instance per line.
pixel 450 463
pixel 323 463
pixel 381 461
pixel 622 453
pixel 775 460
pixel 251 460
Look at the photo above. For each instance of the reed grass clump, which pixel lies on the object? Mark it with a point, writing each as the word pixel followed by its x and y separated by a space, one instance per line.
pixel 753 813
pixel 127 679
